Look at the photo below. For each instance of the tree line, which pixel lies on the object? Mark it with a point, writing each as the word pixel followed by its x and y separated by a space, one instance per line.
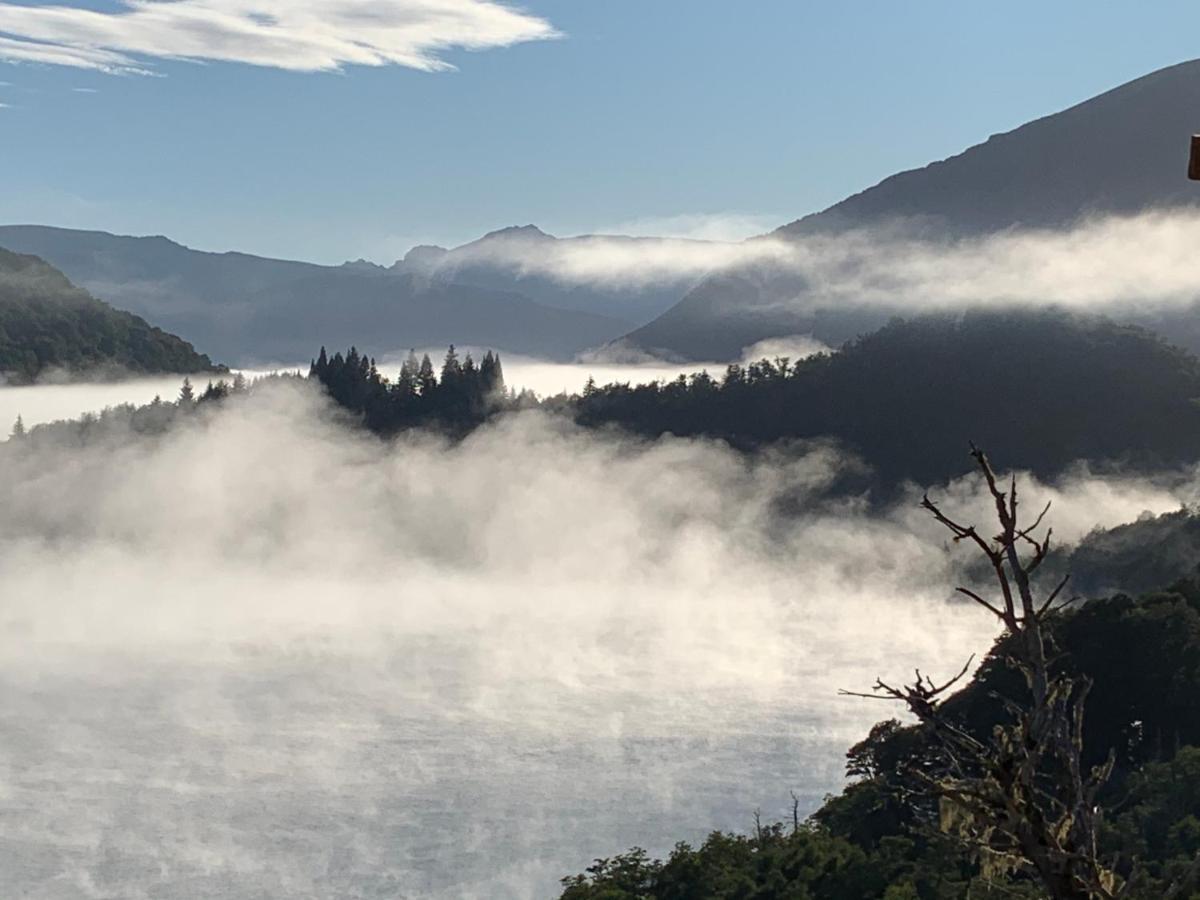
pixel 901 398
pixel 458 396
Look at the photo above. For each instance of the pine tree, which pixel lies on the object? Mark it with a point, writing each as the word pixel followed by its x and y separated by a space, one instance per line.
pixel 497 379
pixel 18 429
pixel 406 384
pixel 426 380
pixel 451 367
pixel 491 381
pixel 186 392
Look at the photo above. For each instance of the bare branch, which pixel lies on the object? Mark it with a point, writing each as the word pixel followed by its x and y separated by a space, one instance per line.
pixel 1023 792
pixel 999 614
pixel 1045 608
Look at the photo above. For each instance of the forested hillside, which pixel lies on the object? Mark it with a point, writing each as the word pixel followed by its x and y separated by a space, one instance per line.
pixel 1045 389
pixel 1041 389
pixel 46 323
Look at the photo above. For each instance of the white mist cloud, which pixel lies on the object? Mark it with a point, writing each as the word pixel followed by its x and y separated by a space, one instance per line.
pixel 1143 262
pixel 620 262
pixel 606 365
pixel 297 35
pixel 724 227
pixel 265 654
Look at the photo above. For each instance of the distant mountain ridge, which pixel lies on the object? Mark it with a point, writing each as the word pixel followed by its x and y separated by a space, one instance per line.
pixel 516 259
pixel 1121 152
pixel 253 309
pixel 48 324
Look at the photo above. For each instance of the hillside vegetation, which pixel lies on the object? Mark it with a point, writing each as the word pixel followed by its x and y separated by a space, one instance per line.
pixel 1042 389
pixel 47 324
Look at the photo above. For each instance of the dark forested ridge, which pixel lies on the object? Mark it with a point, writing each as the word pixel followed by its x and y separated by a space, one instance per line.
pixel 46 323
pixel 1045 389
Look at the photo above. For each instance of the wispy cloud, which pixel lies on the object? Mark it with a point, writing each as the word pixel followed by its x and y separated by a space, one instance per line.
pixel 722 226
pixel 1111 263
pixel 297 35
pixel 84 91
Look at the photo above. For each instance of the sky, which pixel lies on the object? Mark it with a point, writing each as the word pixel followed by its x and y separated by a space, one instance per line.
pixel 330 130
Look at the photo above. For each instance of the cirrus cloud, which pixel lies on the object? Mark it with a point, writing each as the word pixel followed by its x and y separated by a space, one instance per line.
pixel 296 35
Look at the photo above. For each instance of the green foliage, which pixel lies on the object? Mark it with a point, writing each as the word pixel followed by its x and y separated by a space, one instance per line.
pixel 48 324
pixel 773 864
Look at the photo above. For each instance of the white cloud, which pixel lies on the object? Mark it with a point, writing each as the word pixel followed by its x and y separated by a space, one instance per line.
pixel 1111 263
pixel 723 227
pixel 617 261
pixel 298 35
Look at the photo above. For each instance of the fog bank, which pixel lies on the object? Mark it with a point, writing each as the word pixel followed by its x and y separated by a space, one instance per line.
pixel 265 654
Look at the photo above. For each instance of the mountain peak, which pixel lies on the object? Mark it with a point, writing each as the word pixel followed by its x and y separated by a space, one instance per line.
pixel 1122 151
pixel 518 231
pixel 362 265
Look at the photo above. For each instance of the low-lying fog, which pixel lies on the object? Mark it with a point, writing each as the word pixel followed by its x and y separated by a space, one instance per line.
pixel 266 656
pixel 52 401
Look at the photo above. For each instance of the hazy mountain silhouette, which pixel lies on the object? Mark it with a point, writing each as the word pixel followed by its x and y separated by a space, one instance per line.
pixel 1121 152
pixel 247 308
pixel 496 261
pixel 49 324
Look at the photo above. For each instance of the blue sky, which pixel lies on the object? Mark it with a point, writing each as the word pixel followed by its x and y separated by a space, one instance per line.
pixel 642 115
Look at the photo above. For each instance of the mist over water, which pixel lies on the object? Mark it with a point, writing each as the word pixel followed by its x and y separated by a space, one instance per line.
pixel 264 655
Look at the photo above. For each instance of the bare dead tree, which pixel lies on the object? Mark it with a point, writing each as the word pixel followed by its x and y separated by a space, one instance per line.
pixel 1022 799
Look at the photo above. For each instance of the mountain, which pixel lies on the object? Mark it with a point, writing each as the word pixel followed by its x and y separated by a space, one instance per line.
pixel 1121 152
pixel 46 323
pixel 388 311
pixel 523 259
pixel 251 309
pixel 1038 390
